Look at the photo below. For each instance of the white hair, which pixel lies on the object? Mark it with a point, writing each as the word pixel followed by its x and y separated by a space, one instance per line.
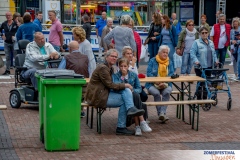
pixel 109 19
pixel 125 19
pixel 110 51
pixel 162 47
pixel 125 48
pixel 221 15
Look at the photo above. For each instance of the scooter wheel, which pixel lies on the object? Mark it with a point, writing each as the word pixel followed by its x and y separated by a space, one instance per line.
pixel 206 107
pixel 229 104
pixel 14 99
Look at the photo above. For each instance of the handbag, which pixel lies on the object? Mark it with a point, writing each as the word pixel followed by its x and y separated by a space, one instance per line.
pixel 146 40
pixel 182 49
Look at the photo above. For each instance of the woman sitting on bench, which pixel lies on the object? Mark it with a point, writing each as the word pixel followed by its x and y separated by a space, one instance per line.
pixel 158 66
pixel 126 76
pixel 98 93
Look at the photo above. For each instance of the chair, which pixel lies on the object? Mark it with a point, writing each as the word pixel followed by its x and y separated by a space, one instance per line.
pixel 19 61
pixel 22 44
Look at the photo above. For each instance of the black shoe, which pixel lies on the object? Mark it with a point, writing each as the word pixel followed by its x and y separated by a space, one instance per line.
pixel 83 114
pixel 133 111
pixel 124 131
pixel 6 72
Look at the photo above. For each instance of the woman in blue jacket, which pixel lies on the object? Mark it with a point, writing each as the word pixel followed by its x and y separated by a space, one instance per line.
pixel 169 37
pixel 126 76
pixel 159 67
pixel 203 53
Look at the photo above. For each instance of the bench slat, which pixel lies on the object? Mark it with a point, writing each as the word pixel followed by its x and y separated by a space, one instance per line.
pixel 2 107
pixel 180 102
pixel 170 102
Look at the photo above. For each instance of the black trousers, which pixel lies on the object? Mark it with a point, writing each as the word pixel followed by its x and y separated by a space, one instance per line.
pixel 201 88
pixel 139 105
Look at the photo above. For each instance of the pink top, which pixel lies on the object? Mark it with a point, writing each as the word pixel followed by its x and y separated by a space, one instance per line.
pixel 53 35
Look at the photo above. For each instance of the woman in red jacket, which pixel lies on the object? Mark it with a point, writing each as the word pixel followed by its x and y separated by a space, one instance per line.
pixel 137 40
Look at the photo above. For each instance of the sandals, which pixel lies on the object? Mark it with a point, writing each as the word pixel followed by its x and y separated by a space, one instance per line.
pixel 174 76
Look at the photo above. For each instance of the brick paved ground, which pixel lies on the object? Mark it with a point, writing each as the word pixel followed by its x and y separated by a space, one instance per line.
pixel 219 129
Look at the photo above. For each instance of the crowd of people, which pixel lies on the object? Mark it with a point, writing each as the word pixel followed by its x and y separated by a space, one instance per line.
pixel 121 47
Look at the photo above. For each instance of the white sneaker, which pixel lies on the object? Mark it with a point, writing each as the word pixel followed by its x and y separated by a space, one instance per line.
pixel 231 64
pixel 144 126
pixel 147 121
pixel 138 131
pixel 163 117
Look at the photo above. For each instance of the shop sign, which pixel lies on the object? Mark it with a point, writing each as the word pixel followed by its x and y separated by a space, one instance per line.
pixel 119 4
pixel 52 5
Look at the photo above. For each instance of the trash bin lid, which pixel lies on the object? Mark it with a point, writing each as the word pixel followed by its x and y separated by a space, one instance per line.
pixel 61 74
pixel 54 70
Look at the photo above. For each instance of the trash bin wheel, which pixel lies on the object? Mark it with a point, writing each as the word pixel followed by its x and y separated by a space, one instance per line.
pixel 229 104
pixel 206 107
pixel 42 133
pixel 14 99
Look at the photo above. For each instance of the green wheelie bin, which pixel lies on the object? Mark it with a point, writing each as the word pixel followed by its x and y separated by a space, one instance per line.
pixel 41 92
pixel 61 110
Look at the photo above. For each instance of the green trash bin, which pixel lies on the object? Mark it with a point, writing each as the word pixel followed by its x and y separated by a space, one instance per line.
pixel 61 105
pixel 41 92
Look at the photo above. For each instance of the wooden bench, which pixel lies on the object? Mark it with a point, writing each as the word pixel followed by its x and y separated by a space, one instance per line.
pixel 3 107
pixel 100 111
pixel 193 104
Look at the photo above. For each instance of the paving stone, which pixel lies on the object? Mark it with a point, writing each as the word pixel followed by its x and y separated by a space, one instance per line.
pixel 218 129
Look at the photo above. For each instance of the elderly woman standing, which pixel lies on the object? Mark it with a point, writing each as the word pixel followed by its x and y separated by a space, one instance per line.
pixel 187 36
pixel 105 31
pixel 98 93
pixel 168 36
pixel 122 36
pixel 203 53
pixel 159 67
pixel 85 47
pixel 235 29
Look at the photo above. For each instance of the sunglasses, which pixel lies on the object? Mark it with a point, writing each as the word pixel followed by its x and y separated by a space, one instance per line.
pixel 204 32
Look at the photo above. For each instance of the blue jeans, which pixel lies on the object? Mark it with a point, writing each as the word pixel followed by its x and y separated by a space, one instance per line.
pixel 152 48
pixel 122 99
pixel 170 55
pixel 8 49
pixel 221 53
pixel 30 73
pixel 238 65
pixel 57 48
pixel 186 64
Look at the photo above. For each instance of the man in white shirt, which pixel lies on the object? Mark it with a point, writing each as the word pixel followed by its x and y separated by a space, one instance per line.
pixel 220 35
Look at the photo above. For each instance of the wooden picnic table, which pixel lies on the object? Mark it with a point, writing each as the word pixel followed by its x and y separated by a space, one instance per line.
pixel 184 88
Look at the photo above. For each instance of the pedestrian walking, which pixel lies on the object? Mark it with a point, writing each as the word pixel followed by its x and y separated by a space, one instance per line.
pixel 8 29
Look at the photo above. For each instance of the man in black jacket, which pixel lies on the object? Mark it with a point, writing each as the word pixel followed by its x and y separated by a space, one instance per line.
pixel 8 29
pixel 87 27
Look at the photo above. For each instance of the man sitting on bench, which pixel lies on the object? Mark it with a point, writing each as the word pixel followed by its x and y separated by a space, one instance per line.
pixel 75 60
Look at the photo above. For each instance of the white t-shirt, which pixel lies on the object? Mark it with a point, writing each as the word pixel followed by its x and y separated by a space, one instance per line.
pixel 223 36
